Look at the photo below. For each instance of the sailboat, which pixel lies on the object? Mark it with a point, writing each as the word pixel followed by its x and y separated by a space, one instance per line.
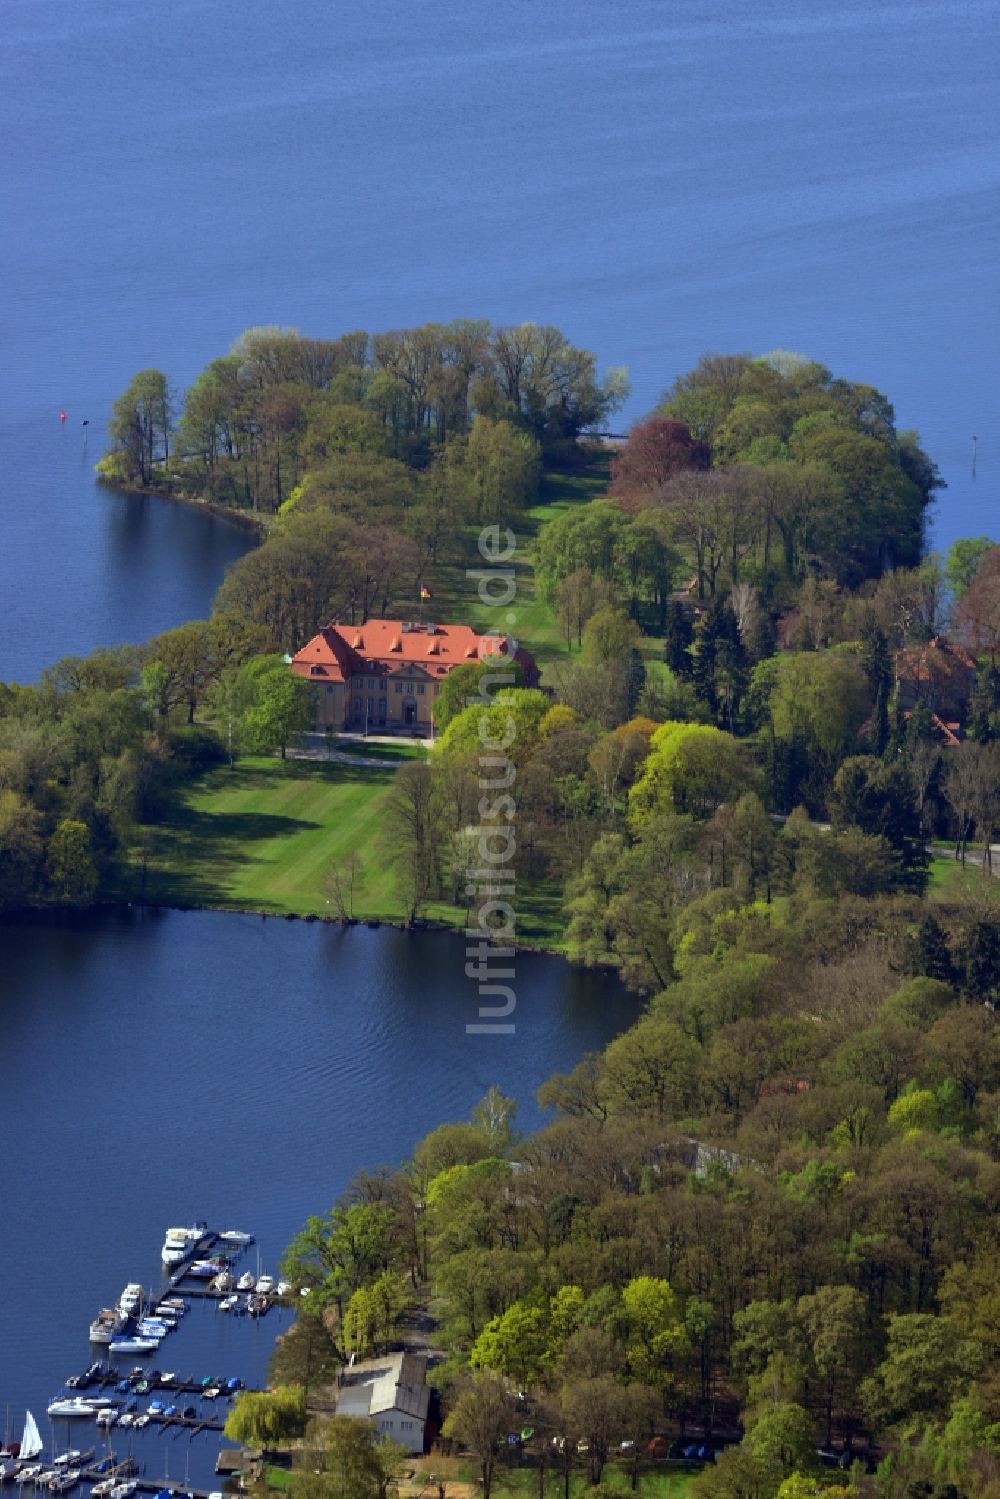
pixel 31 1440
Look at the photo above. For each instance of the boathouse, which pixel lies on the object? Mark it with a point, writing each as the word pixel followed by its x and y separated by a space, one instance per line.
pixel 391 1392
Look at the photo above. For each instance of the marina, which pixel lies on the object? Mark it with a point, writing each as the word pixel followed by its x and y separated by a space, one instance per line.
pixel 141 1400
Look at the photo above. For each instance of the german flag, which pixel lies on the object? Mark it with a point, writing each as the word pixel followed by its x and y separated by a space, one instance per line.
pixel 425 593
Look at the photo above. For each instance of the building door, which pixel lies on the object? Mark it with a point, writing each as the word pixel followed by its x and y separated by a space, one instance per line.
pixel 409 714
pixel 381 710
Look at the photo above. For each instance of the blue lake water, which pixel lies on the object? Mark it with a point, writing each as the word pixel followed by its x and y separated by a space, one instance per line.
pixel 658 180
pixel 164 1067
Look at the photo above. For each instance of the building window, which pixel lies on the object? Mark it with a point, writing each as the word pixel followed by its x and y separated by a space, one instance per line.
pixel 409 688
pixel 371 706
pixel 329 690
pixel 420 689
pixel 371 684
pixel 357 705
pixel 399 686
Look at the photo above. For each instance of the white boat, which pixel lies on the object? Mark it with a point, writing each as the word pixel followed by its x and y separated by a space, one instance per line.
pixel 31 1439
pixel 123 1490
pixel 265 1285
pixel 222 1281
pixel 75 1405
pixel 45 1477
pixel 107 1416
pixel 153 1327
pixel 283 1288
pixel 175 1305
pixel 246 1281
pixel 106 1325
pixel 8 1467
pixel 235 1236
pixel 179 1242
pixel 228 1303
pixel 29 1474
pixel 130 1299
pixel 68 1459
pixel 133 1345
pixel 63 1482
pixel 205 1269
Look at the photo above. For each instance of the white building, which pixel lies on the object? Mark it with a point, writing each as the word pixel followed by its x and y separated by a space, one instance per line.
pixel 392 1393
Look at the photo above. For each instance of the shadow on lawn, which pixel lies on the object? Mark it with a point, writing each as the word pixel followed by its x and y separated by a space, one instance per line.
pixel 195 856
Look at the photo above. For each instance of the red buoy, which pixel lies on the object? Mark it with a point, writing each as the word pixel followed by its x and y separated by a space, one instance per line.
pixel 62 416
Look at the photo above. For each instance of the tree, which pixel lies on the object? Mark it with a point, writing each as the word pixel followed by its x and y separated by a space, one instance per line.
pixel 962 561
pixel 278 706
pixel 409 834
pixel 655 450
pixel 187 663
pixel 691 768
pixel 977 613
pixel 305 1355
pixel 503 466
pixel 346 1458
pixel 480 1418
pixel 650 1069
pixel 72 875
pixel 266 1419
pixel 678 638
pixel 475 680
pixel 577 597
pixel 141 426
pixel 834 1321
pixel 605 1413
pixel 783 1438
pixel 21 850
pixel 373 1314
pixel 514 1344
pixel 333 1256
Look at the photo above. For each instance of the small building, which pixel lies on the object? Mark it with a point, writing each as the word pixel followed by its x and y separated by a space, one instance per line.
pixel 939 673
pixel 383 676
pixel 390 1392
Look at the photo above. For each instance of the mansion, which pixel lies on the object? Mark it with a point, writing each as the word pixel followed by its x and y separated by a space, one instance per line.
pixel 382 677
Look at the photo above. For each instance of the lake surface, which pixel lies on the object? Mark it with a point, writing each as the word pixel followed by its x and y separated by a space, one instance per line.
pixel 656 179
pixel 165 1067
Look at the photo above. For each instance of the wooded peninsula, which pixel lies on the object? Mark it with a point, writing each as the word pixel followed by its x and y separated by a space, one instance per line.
pixel 759 778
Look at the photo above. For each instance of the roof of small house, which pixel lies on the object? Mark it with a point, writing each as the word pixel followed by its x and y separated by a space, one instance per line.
pixel 936 660
pixel 374 1386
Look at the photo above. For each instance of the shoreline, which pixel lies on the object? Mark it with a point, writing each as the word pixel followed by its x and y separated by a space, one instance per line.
pixel 246 520
pixel 308 917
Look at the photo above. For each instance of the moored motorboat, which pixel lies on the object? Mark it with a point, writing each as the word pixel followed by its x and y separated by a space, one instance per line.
pixel 228 1303
pixel 106 1325
pixel 131 1299
pixel 134 1345
pixel 206 1269
pixel 28 1474
pixel 236 1236
pixel 76 1405
pixel 179 1242
pixel 265 1285
pixel 246 1281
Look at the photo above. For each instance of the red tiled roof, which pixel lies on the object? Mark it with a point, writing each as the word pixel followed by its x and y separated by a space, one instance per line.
pixel 382 646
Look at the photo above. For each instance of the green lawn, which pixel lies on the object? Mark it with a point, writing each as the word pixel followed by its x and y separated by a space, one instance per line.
pixel 528 616
pixel 361 749
pixel 652 1483
pixel 264 834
